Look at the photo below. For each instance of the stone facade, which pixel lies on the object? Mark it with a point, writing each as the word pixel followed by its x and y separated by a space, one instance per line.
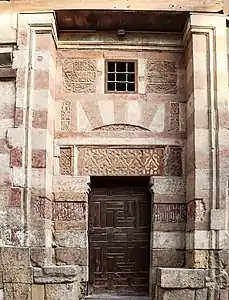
pixel 59 127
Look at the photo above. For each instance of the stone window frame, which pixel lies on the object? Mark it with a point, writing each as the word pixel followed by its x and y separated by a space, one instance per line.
pixel 135 77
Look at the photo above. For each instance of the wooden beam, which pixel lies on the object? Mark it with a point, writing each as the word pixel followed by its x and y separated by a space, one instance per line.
pixel 170 5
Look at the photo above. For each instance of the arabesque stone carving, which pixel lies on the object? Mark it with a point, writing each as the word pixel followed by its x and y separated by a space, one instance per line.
pixel 66 161
pixel 118 161
pixel 66 110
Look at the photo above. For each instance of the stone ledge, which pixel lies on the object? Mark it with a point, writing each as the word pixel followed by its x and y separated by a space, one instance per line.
pixel 180 278
pixel 57 274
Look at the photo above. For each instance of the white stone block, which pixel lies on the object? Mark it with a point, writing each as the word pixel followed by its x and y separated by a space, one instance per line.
pixel 198 239
pixel 168 240
pixel 18 177
pixel 15 137
pixel 1 295
pixel 218 219
pixel 71 238
pixel 39 138
pixel 223 239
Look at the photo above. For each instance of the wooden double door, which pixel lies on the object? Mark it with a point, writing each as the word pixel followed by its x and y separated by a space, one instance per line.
pixel 119 236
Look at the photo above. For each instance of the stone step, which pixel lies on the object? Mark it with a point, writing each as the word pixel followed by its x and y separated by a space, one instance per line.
pixel 109 297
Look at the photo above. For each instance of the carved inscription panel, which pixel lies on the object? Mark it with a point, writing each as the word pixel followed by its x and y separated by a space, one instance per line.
pixel 169 213
pixel 68 211
pixel 58 211
pixel 79 75
pixel 161 77
pixel 121 162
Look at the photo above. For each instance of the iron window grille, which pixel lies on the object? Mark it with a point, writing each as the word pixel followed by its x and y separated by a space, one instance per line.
pixel 121 76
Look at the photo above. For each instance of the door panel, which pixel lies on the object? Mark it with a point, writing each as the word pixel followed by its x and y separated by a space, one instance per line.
pixel 119 230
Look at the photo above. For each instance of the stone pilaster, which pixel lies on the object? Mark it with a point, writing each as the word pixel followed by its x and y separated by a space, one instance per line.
pixel 207 140
pixel 35 64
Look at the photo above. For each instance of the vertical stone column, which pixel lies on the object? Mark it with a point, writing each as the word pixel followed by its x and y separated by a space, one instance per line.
pixel 207 140
pixel 35 61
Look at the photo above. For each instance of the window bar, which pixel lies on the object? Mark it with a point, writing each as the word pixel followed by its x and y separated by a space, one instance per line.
pixel 126 77
pixel 115 70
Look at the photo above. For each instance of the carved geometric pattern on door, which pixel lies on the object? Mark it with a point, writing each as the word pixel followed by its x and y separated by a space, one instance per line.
pixel 119 229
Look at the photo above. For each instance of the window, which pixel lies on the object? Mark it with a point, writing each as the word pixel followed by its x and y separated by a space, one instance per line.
pixel 121 76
